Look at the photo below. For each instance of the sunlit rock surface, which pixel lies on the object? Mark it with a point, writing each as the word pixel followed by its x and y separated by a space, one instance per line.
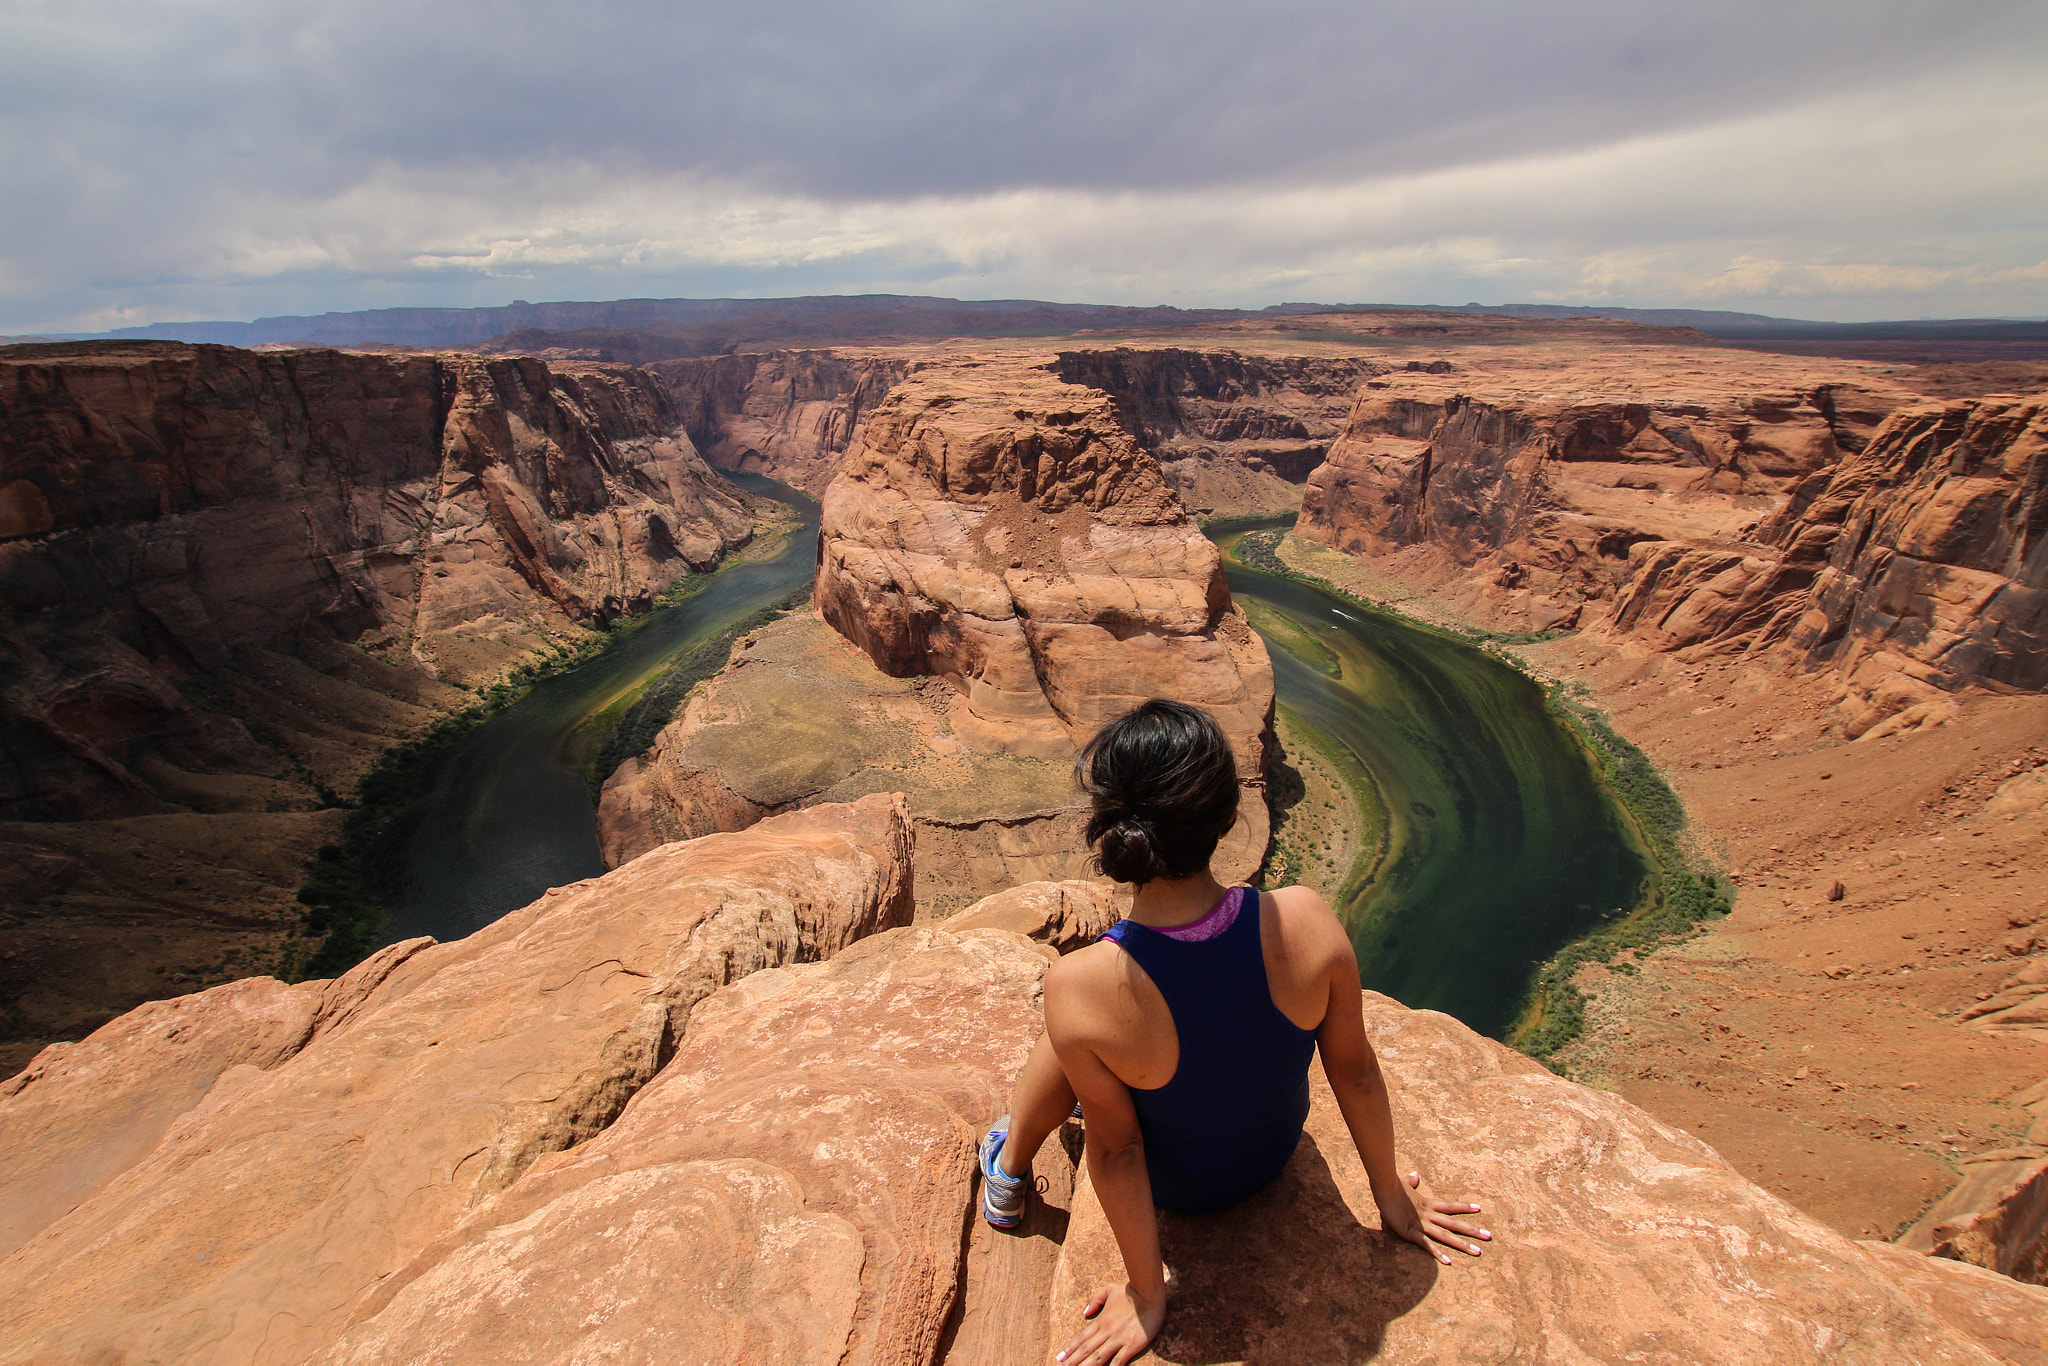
pixel 1915 567
pixel 560 1140
pixel 284 1202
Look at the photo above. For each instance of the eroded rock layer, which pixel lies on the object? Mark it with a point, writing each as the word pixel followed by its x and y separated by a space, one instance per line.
pixel 800 716
pixel 1917 566
pixel 560 1140
pixel 1562 484
pixel 791 415
pixel 1002 530
pixel 173 516
pixel 350 1129
pixel 1235 433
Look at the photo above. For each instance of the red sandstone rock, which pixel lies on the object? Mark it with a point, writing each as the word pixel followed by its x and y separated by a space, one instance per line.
pixel 790 415
pixel 793 1187
pixel 469 1167
pixel 1908 567
pixel 801 716
pixel 1062 915
pixel 256 1228
pixel 167 509
pixel 1617 1239
pixel 1996 1218
pixel 1486 465
pixel 82 1113
pixel 1002 530
pixel 1235 433
pixel 1983 1307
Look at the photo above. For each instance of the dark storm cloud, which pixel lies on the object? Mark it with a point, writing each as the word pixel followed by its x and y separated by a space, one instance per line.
pixel 907 98
pixel 176 151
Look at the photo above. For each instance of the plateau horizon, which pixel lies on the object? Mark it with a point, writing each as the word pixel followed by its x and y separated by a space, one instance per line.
pixel 697 326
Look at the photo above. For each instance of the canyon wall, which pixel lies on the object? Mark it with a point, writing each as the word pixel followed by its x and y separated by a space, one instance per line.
pixel 801 716
pixel 638 1118
pixel 171 517
pixel 1235 433
pixel 791 415
pixel 1561 486
pixel 1915 567
pixel 1848 525
pixel 230 580
pixel 331 1157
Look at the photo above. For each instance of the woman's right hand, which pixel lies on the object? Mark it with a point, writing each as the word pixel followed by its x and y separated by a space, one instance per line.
pixel 1120 1327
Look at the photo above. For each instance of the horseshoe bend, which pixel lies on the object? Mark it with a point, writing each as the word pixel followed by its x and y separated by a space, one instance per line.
pixel 1664 718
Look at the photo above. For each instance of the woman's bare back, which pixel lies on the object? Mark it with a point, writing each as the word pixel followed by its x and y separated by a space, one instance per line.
pixel 1105 999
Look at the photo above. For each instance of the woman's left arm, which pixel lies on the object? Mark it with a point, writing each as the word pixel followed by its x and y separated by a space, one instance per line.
pixel 1353 1069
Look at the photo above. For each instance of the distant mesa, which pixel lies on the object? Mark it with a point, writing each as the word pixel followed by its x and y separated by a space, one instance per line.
pixel 641 330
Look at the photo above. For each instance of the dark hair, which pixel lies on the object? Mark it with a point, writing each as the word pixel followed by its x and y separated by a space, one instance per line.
pixel 1164 785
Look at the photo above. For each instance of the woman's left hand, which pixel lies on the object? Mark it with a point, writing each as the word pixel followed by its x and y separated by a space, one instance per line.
pixel 1427 1221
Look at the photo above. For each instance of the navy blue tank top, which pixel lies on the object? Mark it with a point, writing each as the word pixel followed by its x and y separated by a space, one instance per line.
pixel 1230 1117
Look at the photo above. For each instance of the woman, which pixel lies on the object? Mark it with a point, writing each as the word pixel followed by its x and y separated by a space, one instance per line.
pixel 1185 1032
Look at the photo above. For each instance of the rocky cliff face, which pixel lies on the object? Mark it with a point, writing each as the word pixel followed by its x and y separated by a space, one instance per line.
pixel 1562 486
pixel 1915 567
pixel 800 716
pixel 564 1138
pixel 229 580
pixel 1235 433
pixel 1001 530
pixel 168 513
pixel 790 415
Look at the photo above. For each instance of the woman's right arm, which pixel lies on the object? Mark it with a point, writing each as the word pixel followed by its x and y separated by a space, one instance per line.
pixel 1121 1319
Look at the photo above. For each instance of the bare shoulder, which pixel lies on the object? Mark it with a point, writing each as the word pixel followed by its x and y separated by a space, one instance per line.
pixel 1307 925
pixel 1303 911
pixel 1082 981
pixel 1093 966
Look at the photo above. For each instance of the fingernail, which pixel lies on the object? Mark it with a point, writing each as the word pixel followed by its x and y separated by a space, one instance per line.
pixel 1486 1233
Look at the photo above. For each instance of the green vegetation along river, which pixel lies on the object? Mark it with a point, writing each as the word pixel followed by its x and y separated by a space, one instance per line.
pixel 1502 845
pixel 507 813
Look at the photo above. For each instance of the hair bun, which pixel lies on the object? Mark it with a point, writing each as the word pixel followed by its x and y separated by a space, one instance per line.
pixel 1129 851
pixel 1163 785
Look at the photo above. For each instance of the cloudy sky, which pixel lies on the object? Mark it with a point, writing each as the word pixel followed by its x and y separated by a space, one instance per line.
pixel 1843 159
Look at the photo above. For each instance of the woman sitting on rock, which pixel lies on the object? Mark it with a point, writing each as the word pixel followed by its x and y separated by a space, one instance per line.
pixel 1186 1030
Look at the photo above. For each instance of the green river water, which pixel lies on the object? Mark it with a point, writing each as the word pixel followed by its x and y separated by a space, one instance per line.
pixel 1502 845
pixel 508 813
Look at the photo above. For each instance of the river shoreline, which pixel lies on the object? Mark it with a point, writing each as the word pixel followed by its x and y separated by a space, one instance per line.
pixel 1501 847
pixel 357 890
pixel 1818 1044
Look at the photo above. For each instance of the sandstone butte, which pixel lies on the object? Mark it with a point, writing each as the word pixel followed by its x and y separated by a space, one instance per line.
pixel 640 1120
pixel 1000 535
